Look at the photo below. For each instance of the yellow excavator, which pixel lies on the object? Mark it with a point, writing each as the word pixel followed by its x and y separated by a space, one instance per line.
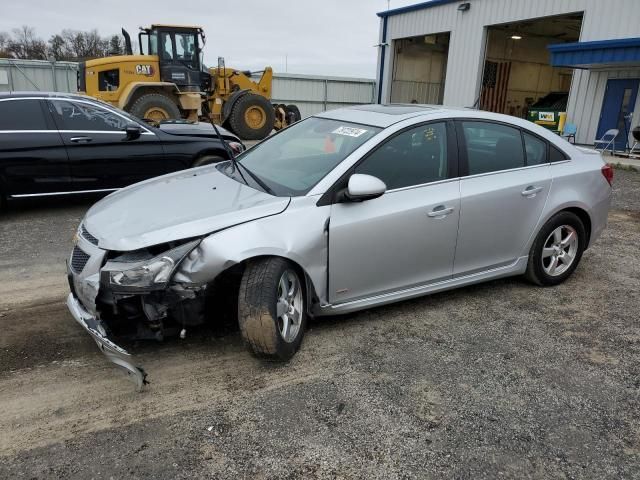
pixel 168 80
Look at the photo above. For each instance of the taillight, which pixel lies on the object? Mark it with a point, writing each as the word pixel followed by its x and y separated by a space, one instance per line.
pixel 607 173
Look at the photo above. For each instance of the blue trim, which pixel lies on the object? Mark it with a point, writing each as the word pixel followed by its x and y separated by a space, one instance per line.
pixel 623 51
pixel 413 8
pixel 382 58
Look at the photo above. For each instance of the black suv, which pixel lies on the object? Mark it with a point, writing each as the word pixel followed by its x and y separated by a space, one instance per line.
pixel 58 144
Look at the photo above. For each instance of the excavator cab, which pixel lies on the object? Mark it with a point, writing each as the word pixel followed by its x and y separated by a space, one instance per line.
pixel 179 51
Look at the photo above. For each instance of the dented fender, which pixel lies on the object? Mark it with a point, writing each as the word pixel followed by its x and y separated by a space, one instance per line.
pixel 299 234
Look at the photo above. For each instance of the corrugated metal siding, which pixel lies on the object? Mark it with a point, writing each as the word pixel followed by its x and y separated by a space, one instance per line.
pixel 589 88
pixel 602 20
pixel 40 75
pixel 314 94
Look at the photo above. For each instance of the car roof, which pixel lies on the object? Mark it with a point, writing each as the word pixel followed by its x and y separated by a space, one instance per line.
pixel 384 115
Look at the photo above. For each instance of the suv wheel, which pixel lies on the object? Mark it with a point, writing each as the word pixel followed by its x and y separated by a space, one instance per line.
pixel 271 309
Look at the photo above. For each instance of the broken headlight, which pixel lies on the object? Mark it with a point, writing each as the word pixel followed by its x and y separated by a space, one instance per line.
pixel 150 274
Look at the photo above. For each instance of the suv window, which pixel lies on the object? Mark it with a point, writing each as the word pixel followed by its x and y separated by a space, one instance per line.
pixel 492 147
pixel 22 114
pixel 535 149
pixel 410 158
pixel 84 116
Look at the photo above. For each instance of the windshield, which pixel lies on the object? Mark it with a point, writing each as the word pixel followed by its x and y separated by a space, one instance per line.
pixel 293 161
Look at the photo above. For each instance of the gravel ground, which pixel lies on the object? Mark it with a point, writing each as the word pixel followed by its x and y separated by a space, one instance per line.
pixel 499 380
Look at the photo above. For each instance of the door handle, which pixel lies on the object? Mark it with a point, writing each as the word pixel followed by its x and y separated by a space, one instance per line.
pixel 440 212
pixel 531 191
pixel 81 139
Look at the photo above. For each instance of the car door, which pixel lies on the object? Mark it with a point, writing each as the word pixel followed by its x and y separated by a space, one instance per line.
pixel 101 155
pixel 502 196
pixel 33 159
pixel 406 237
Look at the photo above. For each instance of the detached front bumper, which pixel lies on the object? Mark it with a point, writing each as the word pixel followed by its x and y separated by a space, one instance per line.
pixel 113 352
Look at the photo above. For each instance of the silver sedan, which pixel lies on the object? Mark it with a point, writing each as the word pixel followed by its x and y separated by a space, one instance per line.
pixel 346 210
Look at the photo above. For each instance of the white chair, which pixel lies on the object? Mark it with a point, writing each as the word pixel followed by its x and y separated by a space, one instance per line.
pixel 636 137
pixel 608 139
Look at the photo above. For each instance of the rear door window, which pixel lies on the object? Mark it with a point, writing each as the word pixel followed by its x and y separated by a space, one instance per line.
pixel 22 114
pixel 492 147
pixel 82 116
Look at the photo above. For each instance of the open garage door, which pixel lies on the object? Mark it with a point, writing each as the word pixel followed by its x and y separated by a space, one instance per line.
pixel 517 76
pixel 419 69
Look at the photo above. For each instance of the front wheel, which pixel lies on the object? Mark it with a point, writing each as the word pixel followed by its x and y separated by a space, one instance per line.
pixel 252 117
pixel 557 250
pixel 155 106
pixel 271 309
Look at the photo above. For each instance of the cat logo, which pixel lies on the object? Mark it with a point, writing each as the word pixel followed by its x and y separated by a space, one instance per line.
pixel 144 70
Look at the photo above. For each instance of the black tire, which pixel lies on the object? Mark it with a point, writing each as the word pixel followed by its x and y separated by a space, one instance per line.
pixel 261 329
pixel 237 121
pixel 536 268
pixel 151 100
pixel 207 160
pixel 293 112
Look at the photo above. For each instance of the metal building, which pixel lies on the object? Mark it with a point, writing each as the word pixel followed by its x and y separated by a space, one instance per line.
pixel 510 56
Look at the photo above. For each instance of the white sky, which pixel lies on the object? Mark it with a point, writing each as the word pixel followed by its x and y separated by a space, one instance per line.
pixel 326 37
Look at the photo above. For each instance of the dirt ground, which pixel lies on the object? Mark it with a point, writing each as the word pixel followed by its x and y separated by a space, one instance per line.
pixel 499 380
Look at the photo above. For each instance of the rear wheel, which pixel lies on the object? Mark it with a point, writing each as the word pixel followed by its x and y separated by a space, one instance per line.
pixel 271 309
pixel 252 117
pixel 156 107
pixel 557 250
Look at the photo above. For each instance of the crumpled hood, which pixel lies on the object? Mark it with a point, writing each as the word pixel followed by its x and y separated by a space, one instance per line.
pixel 180 205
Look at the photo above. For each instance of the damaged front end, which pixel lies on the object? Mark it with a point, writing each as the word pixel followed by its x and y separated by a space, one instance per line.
pixel 131 295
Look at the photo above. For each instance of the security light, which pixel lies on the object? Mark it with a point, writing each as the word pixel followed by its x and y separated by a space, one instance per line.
pixel 463 7
pixel 516 37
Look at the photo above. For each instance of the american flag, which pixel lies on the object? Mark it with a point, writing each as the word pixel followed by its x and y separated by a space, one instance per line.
pixel 495 83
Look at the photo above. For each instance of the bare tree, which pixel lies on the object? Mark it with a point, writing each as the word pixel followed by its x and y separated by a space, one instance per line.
pixel 116 45
pixel 67 45
pixel 4 44
pixel 25 44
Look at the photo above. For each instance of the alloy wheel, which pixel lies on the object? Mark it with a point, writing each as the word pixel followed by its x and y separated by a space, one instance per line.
pixel 289 306
pixel 559 251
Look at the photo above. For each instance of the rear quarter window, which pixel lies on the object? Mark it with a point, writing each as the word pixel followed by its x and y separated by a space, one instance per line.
pixel 20 114
pixel 556 155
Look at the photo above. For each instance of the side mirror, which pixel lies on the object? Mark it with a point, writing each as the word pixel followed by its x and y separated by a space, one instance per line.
pixel 133 131
pixel 364 187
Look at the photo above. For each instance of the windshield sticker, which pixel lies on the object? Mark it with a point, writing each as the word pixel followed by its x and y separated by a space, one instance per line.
pixel 349 131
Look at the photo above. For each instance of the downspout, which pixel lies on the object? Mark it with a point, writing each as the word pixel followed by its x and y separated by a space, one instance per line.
pixel 383 45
